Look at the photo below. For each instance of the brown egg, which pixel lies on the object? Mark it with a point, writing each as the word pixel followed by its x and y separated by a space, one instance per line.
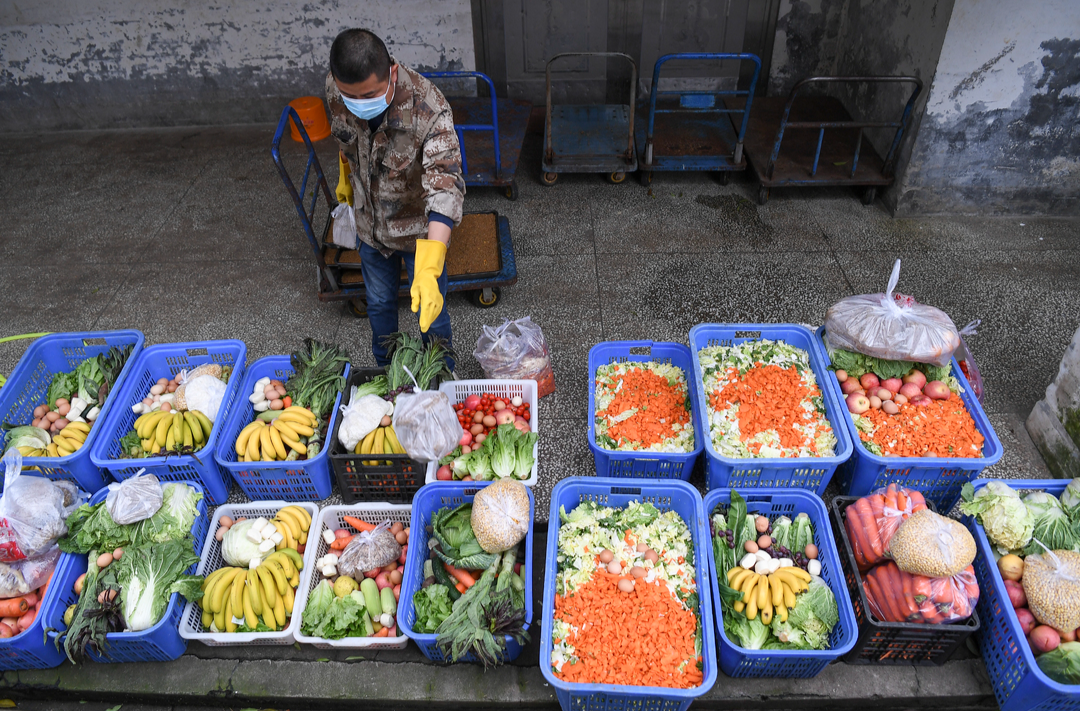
pixel 641 548
pixel 651 556
pixel 638 572
pixel 811 551
pixel 764 541
pixel 761 523
pixel 606 556
pixel 626 585
pixel 750 547
pixel 397 527
pixel 614 567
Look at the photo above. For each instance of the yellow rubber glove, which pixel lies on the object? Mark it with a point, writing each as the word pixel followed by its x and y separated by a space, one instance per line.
pixel 344 185
pixel 428 267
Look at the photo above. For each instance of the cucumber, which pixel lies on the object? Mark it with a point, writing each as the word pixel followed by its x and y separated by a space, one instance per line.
pixel 369 629
pixel 389 604
pixel 371 597
pixel 443 578
pixel 429 569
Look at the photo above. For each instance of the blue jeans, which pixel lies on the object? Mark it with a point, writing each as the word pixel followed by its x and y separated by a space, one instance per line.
pixel 382 280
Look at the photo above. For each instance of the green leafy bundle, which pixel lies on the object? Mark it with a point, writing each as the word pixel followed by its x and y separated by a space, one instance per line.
pixel 331 617
pixel 92 528
pixel 455 541
pixel 317 376
pixel 857 364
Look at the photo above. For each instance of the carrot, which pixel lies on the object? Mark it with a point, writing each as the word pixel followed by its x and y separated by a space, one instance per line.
pixel 460 587
pixel 924 595
pixel 880 602
pixel 918 502
pixel 853 537
pixel 901 500
pixel 357 523
pixel 905 598
pixel 287 400
pixel 893 592
pixel 340 543
pixel 13 607
pixel 461 576
pixel 943 427
pixel 384 632
pixel 862 507
pixel 31 599
pixel 659 408
pixel 26 620
pixel 890 496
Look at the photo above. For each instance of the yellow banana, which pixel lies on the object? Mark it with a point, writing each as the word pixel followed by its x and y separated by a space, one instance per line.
pixel 192 422
pixel 74 433
pixel 747 588
pixel 268 618
pixel 789 595
pixel 303 411
pixel 739 606
pixel 302 430
pixel 762 592
pixel 269 587
pixel 52 450
pixel 80 426
pixel 289 600
pixel 368 442
pixel 302 513
pixel 219 620
pixel 766 613
pixel 782 613
pixel 253 446
pixel 285 429
pixel 242 438
pixel 777 589
pixel 285 562
pixel 797 572
pixel 230 626
pixel 275 440
pixel 189 439
pixel 254 593
pixel 162 429
pixel 217 601
pixel 274 568
pixel 249 612
pixel 737 576
pixel 298 446
pixel 170 440
pixel 394 442
pixel 297 559
pixel 204 422
pixel 207 618
pixel 751 608
pixel 296 524
pixel 267 446
pixel 279 611
pixel 210 578
pixel 64 451
pixel 237 591
pixel 178 428
pixel 149 425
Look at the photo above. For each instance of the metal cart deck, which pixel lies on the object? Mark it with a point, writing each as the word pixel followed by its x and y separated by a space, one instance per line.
pixel 589 138
pixel 488 163
pixel 798 125
pixel 339 277
pixel 689 130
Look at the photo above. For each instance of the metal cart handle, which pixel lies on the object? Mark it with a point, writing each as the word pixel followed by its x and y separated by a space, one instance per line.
pixel 548 150
pixel 306 215
pixel 745 111
pixel 900 125
pixel 493 127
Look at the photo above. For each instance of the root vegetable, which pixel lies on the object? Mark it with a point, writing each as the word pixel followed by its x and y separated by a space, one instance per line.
pixel 1044 638
pixel 1011 567
pixel 1017 596
pixel 1027 620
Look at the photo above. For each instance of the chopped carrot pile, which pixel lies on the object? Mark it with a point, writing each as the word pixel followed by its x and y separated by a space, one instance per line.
pixel 641 638
pixel 659 406
pixel 944 428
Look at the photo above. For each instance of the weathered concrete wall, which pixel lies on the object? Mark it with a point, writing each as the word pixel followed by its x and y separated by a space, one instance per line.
pixel 807 42
pixel 74 64
pixel 1002 126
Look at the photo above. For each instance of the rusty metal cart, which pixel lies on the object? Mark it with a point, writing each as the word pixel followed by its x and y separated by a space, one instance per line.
pixel 339 276
pixel 488 162
pixel 787 146
pixel 589 138
pixel 689 130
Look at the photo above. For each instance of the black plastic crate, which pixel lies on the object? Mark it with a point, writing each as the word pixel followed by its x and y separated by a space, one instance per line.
pixel 363 478
pixel 892 642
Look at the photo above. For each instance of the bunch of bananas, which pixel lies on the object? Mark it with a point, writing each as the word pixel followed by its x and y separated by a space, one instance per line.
pixel 67 441
pixel 767 593
pixel 283 439
pixel 239 596
pixel 184 432
pixel 292 522
pixel 381 440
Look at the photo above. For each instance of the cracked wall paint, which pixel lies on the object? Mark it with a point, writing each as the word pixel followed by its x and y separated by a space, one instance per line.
pixel 807 42
pixel 96 64
pixel 1001 131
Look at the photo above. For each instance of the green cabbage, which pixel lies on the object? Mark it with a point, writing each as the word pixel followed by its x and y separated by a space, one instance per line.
pixel 236 548
pixel 148 575
pixel 802 534
pixel 1062 664
pixel 748 634
pixel 1052 525
pixel 811 620
pixel 1070 499
pixel 92 528
pixel 331 617
pixel 1008 522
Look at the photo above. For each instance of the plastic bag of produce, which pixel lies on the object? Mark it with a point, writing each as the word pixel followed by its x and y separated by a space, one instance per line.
pixel 202 390
pixel 426 424
pixel 24 576
pixel 359 418
pixel 896 596
pixel 345 227
pixel 516 350
pixel 967 360
pixel 500 515
pixel 369 550
pixel 1051 582
pixel 891 326
pixel 872 520
pixel 32 511
pixel 932 545
pixel 134 499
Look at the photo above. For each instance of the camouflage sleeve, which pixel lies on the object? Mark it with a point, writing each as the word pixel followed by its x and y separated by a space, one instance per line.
pixel 444 186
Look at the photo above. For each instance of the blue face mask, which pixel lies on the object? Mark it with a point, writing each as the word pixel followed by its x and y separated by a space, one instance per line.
pixel 367 109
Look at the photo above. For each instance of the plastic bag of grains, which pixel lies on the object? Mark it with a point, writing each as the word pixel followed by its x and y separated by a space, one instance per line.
pixel 501 514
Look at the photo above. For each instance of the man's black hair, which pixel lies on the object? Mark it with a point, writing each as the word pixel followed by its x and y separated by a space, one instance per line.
pixel 357 54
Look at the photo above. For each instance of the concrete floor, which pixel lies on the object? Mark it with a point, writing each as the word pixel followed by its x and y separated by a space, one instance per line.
pixel 188 234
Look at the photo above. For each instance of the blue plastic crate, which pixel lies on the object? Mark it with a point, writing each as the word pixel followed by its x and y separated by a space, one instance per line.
pixel 30 649
pixel 165 361
pixel 29 383
pixel 795 664
pixel 301 480
pixel 429 499
pixel 665 495
pixel 1019 684
pixel 811 473
pixel 938 478
pixel 160 643
pixel 660 465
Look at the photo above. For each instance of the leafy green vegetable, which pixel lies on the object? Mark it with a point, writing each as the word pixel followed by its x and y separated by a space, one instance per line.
pixel 781 532
pixel 376 386
pixel 1052 525
pixel 858 364
pixel 1070 499
pixel 425 362
pixel 726 555
pixel 811 620
pixel 149 575
pixel 457 544
pixel 91 527
pixel 432 605
pixel 1062 664
pixel 175 518
pixel 331 617
pixel 92 620
pixel 27 436
pixel 317 376
pixel 748 634
pixel 90 380
pixel 996 506
pixel 63 385
pixel 802 534
pixel 131 446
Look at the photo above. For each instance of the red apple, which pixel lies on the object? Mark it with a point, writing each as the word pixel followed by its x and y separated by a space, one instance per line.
pixel 858 404
pixel 920 400
pixel 915 376
pixel 937 390
pixel 443 473
pixel 849 386
pixel 869 380
pixel 892 384
pixel 910 390
pixel 1027 620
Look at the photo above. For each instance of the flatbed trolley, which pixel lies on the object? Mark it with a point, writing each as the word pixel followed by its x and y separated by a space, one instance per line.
pixel 339 277
pixel 690 130
pixel 799 124
pixel 589 138
pixel 488 163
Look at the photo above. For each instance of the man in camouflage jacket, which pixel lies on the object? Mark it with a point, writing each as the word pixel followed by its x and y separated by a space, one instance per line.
pixel 400 169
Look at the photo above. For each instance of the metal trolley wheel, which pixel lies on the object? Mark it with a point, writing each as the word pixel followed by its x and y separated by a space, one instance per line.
pixel 616 177
pixel 762 195
pixel 549 178
pixel 512 190
pixel 357 307
pixel 645 176
pixel 486 298
pixel 869 195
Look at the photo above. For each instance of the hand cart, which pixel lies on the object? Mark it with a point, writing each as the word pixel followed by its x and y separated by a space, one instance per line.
pixel 692 132
pixel 339 277
pixel 485 163
pixel 807 158
pixel 589 138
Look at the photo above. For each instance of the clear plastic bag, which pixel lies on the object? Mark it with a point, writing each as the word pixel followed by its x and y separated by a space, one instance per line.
pixel 426 425
pixel 930 544
pixel 967 360
pixel 1051 583
pixel 134 499
pixel 24 576
pixel 360 417
pixel 872 520
pixel 369 550
pixel 896 596
pixel 344 234
pixel 32 511
pixel 203 392
pixel 516 350
pixel 892 327
pixel 500 515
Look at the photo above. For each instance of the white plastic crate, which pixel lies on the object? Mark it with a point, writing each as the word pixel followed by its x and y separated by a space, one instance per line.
pixel 332 518
pixel 458 390
pixel 211 560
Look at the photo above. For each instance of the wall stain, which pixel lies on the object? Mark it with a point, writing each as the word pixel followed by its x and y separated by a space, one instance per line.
pixel 976 77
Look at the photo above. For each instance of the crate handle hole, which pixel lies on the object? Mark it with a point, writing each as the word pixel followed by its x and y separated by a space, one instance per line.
pixel 94 342
pixel 641 350
pixel 470 492
pixel 748 334
pixel 625 490
pixel 197 352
